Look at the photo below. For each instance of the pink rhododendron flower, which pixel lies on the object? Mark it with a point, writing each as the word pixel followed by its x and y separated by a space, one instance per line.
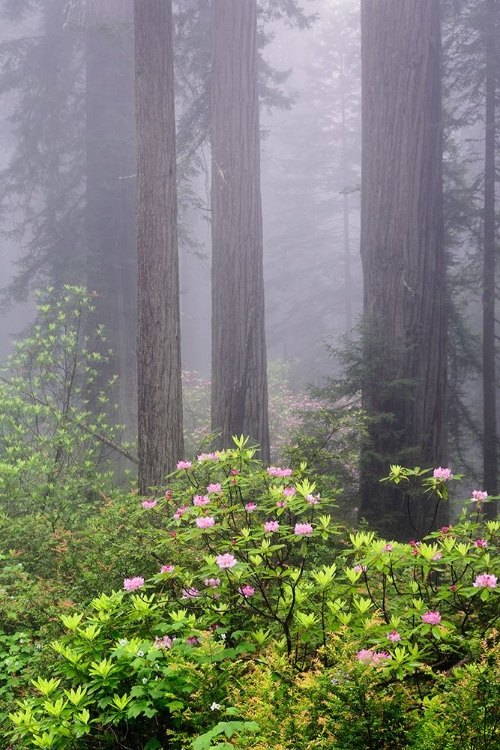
pixel 226 561
pixel 481 543
pixel 191 593
pixel 271 526
pixel 360 568
pixel 486 581
pixel 250 507
pixel 130 584
pixel 303 529
pixel 313 499
pixel 234 472
pixel 380 656
pixel 289 491
pixel 275 471
pixel 214 487
pixel 442 474
pixel 431 618
pixel 205 522
pixel 184 464
pixel 478 496
pixel 201 500
pixel 180 511
pixel 164 642
pixel 281 504
pixel 445 529
pixel 246 591
pixel 437 556
pixel 372 657
pixel 192 640
pixel 207 457
pixel 149 503
pixel 388 548
pixel 212 583
pixel 168 494
pixel 394 636
pixel 167 568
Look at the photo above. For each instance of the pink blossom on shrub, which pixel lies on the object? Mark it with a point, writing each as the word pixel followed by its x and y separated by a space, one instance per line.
pixel 443 474
pixel 481 543
pixel 372 657
pixel 289 491
pixel 207 457
pixel 130 584
pixel 303 529
pixel 380 656
pixel 281 504
pixel 431 618
pixel 364 655
pixel 180 511
pixel 214 487
pixel 394 636
pixel 184 464
pixel 226 561
pixel 478 496
pixel 313 499
pixel 164 642
pixel 388 548
pixel 271 526
pixel 246 591
pixel 212 583
pixel 167 568
pixel 190 593
pixel 360 568
pixel 437 556
pixel 192 640
pixel 486 581
pixel 201 500
pixel 205 522
pixel 275 471
pixel 149 503
pixel 250 507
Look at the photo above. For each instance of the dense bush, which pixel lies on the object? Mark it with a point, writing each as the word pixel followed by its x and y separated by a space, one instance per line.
pixel 261 601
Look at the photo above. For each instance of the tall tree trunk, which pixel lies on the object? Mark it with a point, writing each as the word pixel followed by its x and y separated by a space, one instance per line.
pixel 239 377
pixel 161 442
pixel 404 389
pixel 111 191
pixel 345 204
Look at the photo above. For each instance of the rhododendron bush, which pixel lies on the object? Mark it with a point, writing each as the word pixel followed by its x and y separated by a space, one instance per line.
pixel 256 584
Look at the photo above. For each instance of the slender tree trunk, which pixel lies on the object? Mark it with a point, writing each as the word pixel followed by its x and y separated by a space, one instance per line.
pixel 490 438
pixel 111 192
pixel 239 377
pixel 404 390
pixel 161 442
pixel 345 207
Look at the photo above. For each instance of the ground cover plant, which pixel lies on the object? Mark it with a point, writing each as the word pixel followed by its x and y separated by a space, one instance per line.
pixel 267 623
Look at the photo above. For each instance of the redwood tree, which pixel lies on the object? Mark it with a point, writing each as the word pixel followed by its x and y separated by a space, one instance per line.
pixel 159 353
pixel 404 388
pixel 239 378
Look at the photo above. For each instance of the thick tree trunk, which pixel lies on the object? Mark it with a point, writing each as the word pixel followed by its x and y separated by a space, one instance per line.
pixel 239 377
pixel 490 438
pixel 403 257
pixel 111 192
pixel 161 442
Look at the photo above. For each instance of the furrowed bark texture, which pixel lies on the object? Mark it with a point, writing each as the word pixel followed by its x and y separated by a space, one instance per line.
pixel 239 377
pixel 159 352
pixel 403 257
pixel 111 191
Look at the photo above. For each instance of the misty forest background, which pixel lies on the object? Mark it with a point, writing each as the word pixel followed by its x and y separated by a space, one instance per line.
pixel 250 342
pixel 407 329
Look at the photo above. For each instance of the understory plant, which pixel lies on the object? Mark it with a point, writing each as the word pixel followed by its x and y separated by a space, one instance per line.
pixel 257 585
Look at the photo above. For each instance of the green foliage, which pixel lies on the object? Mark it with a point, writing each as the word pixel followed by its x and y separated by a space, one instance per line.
pixel 269 625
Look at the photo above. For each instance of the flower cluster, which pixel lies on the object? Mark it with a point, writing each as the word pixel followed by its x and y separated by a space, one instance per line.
pixel 275 471
pixel 366 656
